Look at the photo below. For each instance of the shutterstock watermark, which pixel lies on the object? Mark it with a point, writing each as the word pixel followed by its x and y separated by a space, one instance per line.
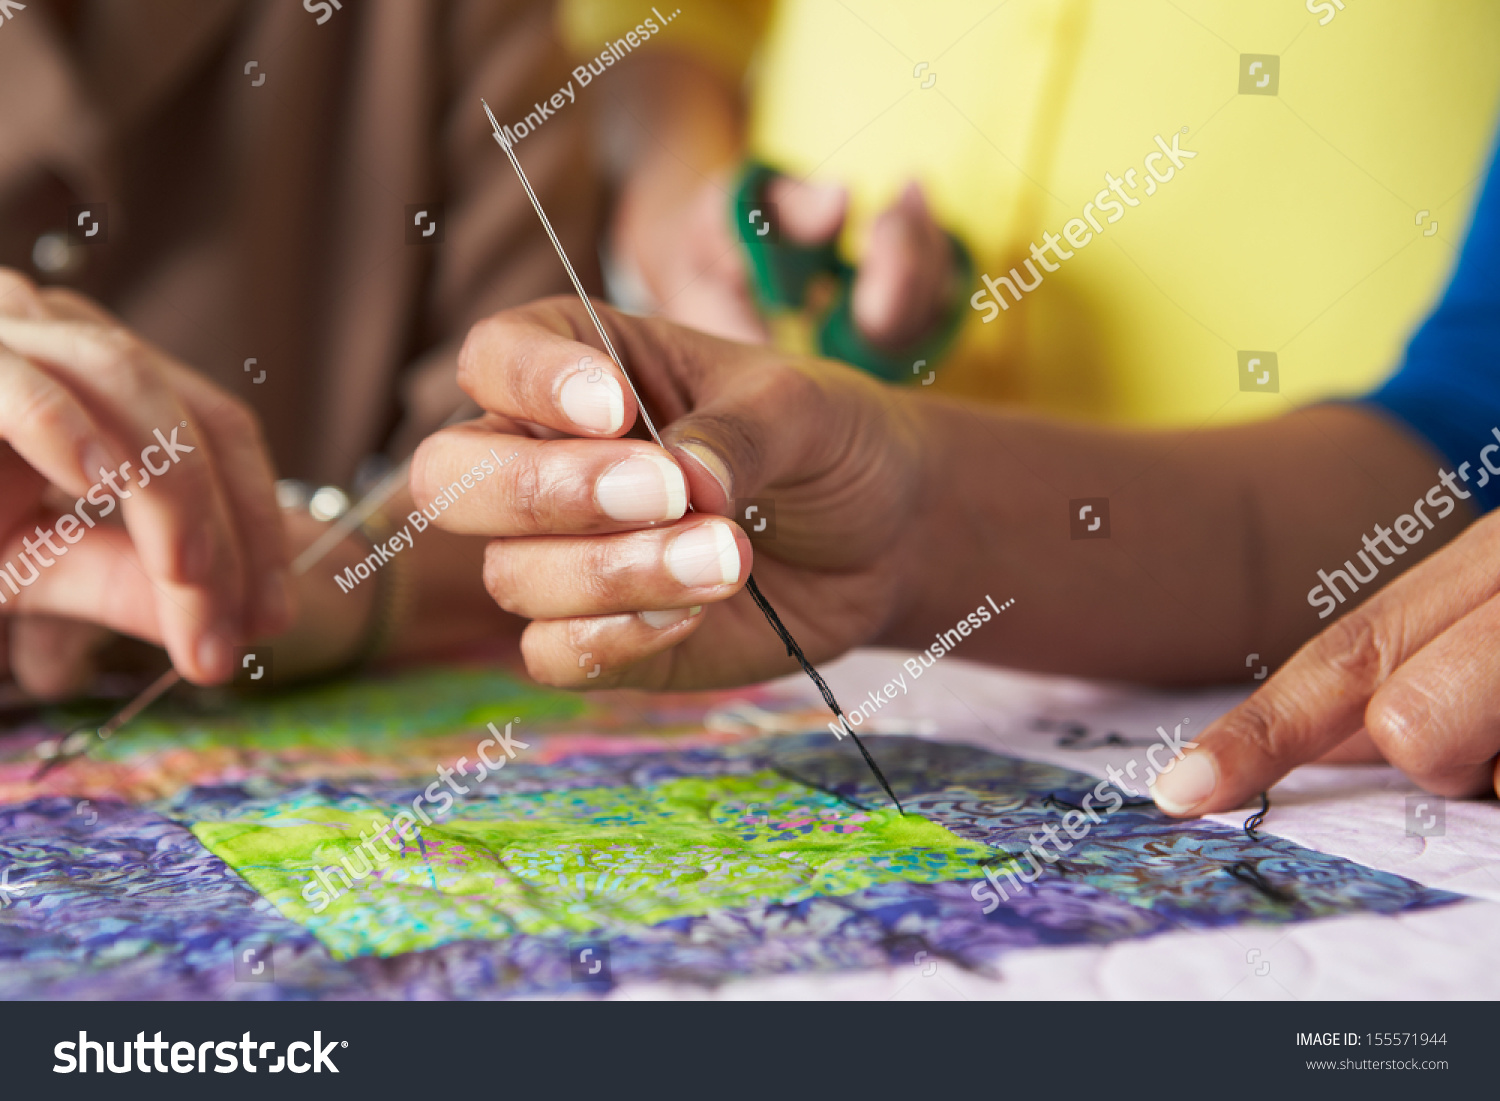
pixel 614 51
pixel 1326 8
pixel 383 552
pixel 1406 526
pixel 190 1057
pixel 1117 195
pixel 1077 822
pixel 72 526
pixel 320 890
pixel 945 642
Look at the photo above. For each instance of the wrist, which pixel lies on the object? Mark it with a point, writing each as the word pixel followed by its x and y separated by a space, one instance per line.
pixel 333 623
pixel 929 552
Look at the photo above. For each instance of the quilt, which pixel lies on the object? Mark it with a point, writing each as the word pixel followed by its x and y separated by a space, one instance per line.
pixel 349 841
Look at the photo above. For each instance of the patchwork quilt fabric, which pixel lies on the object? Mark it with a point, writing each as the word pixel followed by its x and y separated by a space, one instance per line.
pixel 633 840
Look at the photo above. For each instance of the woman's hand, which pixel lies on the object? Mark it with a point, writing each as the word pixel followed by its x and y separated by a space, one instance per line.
pixel 88 416
pixel 1413 671
pixel 680 125
pixel 690 259
pixel 595 545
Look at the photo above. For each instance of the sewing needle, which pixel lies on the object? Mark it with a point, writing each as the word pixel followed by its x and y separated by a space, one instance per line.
pixel 793 650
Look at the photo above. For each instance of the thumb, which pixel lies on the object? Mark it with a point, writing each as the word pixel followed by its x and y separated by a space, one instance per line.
pixel 740 440
pixel 766 423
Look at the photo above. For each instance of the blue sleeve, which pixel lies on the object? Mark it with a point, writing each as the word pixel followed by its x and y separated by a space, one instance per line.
pixel 1448 387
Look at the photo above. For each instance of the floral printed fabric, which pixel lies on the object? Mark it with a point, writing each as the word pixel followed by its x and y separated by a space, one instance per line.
pixel 603 860
pixel 639 844
pixel 124 902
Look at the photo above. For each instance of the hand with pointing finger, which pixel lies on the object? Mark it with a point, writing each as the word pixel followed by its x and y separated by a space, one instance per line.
pixel 1409 676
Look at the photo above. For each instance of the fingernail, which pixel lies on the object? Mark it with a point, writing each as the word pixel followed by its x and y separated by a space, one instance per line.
pixel 275 599
pixel 1188 784
pixel 709 460
pixel 706 555
pixel 597 404
pixel 97 462
pixel 662 620
pixel 216 653
pixel 645 487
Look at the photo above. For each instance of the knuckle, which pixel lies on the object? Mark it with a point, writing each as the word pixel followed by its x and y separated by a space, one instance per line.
pixel 594 574
pixel 48 415
pixel 60 301
pixel 112 340
pixel 531 498
pixel 127 360
pixel 1357 648
pixel 1393 715
pixel 1260 725
pixel 577 633
pixel 793 385
pixel 583 634
pixel 1406 721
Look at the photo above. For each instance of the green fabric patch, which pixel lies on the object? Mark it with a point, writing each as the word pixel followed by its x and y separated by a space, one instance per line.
pixel 365 712
pixel 606 859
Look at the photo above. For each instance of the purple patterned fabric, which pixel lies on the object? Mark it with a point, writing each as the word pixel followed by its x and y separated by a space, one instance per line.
pixel 130 905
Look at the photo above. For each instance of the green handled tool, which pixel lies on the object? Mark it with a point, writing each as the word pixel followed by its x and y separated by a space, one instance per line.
pixel 787 277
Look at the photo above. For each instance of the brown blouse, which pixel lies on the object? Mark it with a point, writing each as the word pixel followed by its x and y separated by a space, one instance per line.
pixel 253 179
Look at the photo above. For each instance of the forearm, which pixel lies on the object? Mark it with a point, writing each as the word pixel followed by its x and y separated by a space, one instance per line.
pixel 1215 537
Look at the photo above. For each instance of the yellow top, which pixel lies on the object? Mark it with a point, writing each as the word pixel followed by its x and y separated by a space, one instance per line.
pixel 1338 146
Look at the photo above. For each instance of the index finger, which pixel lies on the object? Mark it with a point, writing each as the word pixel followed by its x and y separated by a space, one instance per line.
pixel 242 464
pixel 538 364
pixel 1319 697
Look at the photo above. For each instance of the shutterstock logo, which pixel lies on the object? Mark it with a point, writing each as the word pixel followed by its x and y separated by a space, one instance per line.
pixel 424 223
pixel 1260 74
pixel 88 224
pixel 1426 816
pixel 189 1058
pixel 1259 371
pixel 1088 518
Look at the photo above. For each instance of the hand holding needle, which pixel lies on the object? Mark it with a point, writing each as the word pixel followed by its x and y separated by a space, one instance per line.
pixel 792 649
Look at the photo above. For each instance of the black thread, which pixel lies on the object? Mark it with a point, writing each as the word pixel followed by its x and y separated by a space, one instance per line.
pixel 1254 822
pixel 793 650
pixel 1246 872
